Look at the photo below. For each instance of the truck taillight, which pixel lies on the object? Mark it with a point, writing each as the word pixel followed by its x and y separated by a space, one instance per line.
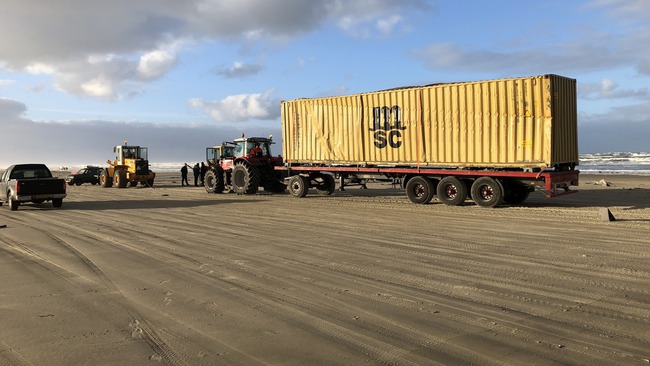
pixel 18 187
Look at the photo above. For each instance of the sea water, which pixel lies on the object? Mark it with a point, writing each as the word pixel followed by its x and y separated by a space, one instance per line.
pixel 634 163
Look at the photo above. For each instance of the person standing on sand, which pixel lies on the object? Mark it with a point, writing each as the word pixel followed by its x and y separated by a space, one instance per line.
pixel 184 175
pixel 204 169
pixel 197 172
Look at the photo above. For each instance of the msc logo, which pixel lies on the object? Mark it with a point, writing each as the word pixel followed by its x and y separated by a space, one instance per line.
pixel 387 125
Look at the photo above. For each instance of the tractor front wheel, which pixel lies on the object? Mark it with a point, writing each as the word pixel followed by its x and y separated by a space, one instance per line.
pixel 214 181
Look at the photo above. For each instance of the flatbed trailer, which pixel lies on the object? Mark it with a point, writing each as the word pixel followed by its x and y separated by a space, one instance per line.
pixel 488 188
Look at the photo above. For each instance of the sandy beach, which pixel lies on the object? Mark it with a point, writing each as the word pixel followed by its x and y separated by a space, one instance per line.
pixel 176 276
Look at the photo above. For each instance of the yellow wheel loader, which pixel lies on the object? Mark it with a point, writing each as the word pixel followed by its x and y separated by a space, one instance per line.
pixel 130 167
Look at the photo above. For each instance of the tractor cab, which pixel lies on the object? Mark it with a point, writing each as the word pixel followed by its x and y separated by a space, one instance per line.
pixel 254 147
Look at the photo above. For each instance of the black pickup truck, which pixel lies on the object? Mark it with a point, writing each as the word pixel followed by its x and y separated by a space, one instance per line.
pixel 30 183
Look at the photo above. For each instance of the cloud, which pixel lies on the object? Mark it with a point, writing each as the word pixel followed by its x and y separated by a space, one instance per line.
pixel 109 50
pixel 242 107
pixel 616 130
pixel 240 69
pixel 6 82
pixel 368 18
pixel 608 89
pixel 83 142
pixel 616 44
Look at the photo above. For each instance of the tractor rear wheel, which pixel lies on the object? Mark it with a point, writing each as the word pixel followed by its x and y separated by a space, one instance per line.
pixel 214 181
pixel 105 179
pixel 119 179
pixel 245 179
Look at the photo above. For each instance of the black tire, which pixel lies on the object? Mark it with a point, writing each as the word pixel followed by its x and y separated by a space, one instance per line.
pixel 245 179
pixel 451 191
pixel 214 181
pixel 149 182
pixel 12 204
pixel 133 184
pixel 77 182
pixel 326 184
pixel 119 179
pixel 57 202
pixel 487 192
pixel 298 186
pixel 420 190
pixel 105 179
pixel 273 185
pixel 515 194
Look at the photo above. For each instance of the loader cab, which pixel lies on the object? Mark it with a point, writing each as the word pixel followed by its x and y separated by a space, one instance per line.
pixel 216 153
pixel 123 153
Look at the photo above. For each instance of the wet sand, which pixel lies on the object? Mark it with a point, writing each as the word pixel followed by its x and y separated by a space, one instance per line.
pixel 173 275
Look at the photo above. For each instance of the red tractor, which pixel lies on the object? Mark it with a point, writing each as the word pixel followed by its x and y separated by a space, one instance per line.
pixel 243 166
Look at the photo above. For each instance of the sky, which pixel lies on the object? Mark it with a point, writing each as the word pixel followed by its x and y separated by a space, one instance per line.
pixel 78 77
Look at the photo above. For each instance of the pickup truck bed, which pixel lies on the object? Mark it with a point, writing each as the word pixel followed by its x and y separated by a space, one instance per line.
pixel 30 183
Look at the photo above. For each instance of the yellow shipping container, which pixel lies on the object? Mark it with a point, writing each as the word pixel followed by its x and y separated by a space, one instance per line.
pixel 528 122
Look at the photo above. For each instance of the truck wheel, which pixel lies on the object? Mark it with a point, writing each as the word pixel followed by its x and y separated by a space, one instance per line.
pixel 487 192
pixel 12 204
pixel 133 184
pixel 298 186
pixel 326 186
pixel 77 182
pixel 245 179
pixel 214 181
pixel 150 182
pixel 451 191
pixel 105 179
pixel 57 202
pixel 119 179
pixel 420 190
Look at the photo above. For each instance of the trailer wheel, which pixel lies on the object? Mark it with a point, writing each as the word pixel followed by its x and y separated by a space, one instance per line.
pixel 451 191
pixel 214 181
pixel 105 179
pixel 515 194
pixel 245 179
pixel 298 186
pixel 487 192
pixel 119 179
pixel 326 185
pixel 420 190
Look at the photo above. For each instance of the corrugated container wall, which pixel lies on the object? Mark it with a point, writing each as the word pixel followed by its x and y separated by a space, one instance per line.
pixel 518 122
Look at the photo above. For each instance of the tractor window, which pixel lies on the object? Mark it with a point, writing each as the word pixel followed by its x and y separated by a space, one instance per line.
pixel 239 150
pixel 209 154
pixel 229 152
pixel 265 149
pixel 143 153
